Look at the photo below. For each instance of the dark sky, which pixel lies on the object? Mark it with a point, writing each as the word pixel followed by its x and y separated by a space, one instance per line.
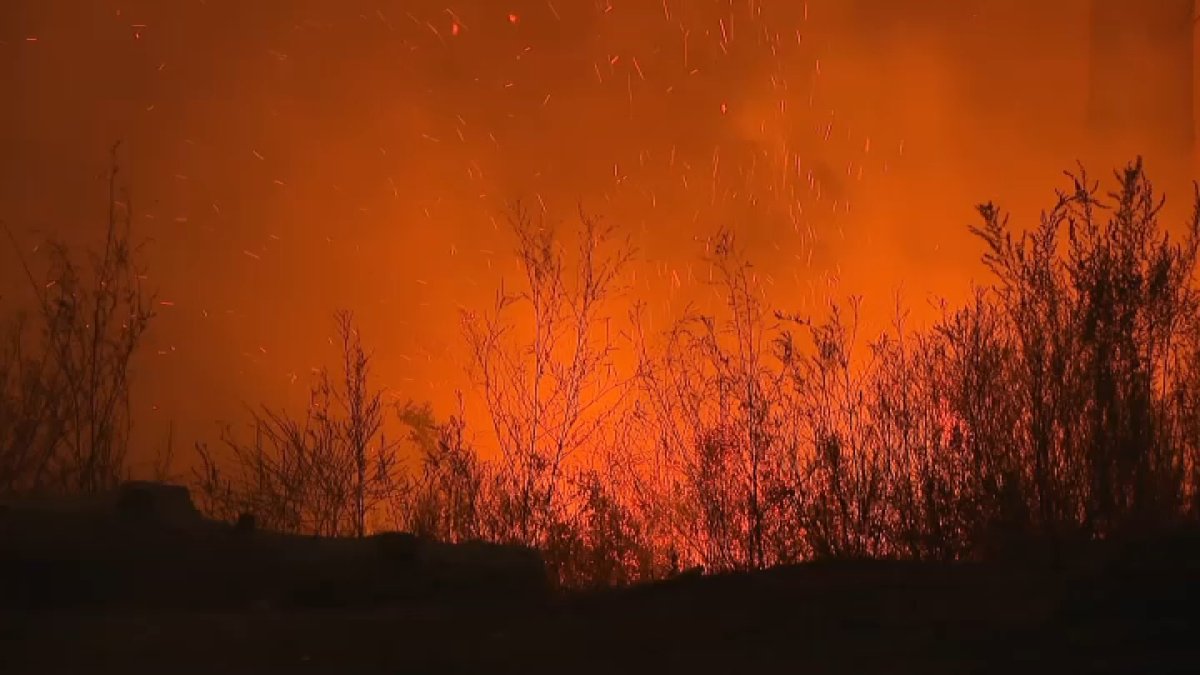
pixel 289 158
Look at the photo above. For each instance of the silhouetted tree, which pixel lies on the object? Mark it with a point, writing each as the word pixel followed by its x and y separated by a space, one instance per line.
pixel 1100 301
pixel 447 499
pixel 64 392
pixel 323 473
pixel 547 378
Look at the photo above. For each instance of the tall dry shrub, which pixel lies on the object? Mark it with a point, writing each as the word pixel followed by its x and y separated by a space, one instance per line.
pixel 542 359
pixel 1098 300
pixel 723 467
pixel 65 368
pixel 845 509
pixel 326 472
pixel 448 499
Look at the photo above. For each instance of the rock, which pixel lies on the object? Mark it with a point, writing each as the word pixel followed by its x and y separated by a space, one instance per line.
pixel 160 503
pixel 400 549
pixel 246 524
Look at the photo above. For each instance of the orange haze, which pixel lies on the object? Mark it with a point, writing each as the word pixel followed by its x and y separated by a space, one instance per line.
pixel 289 157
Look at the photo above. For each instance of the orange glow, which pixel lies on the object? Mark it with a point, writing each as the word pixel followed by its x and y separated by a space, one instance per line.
pixel 292 158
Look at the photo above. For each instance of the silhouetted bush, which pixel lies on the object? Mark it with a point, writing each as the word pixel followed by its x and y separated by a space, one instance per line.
pixel 1101 305
pixel 1055 407
pixel 65 367
pixel 325 473
pixel 446 500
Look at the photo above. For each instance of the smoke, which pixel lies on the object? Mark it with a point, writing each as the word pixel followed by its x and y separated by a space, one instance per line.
pixel 289 158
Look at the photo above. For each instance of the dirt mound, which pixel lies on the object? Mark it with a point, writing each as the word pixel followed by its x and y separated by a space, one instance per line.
pixel 145 544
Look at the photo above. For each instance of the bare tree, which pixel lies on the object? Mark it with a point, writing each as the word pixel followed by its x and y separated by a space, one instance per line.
pixel 66 417
pixel 363 416
pixel 325 472
pixel 1100 309
pixel 447 501
pixel 549 381
pixel 711 397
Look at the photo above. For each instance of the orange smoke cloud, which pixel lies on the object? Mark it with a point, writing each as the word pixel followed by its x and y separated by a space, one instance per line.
pixel 291 158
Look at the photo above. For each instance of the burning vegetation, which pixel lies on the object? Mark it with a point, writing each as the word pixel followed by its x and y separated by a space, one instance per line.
pixel 1056 407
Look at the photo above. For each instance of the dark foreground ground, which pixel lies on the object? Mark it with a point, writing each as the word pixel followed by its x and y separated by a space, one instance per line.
pixel 1137 615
